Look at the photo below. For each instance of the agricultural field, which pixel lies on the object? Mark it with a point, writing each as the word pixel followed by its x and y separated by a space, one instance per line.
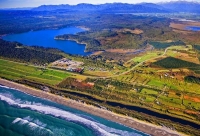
pixel 165 95
pixel 16 71
pixel 98 73
pixel 187 53
pixel 146 56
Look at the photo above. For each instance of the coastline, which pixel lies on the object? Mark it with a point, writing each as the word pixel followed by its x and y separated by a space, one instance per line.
pixel 128 121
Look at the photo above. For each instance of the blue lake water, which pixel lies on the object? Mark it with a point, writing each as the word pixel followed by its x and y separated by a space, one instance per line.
pixel 193 28
pixel 45 38
pixel 22 114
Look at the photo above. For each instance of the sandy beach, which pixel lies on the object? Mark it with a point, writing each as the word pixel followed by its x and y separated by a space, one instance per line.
pixel 128 121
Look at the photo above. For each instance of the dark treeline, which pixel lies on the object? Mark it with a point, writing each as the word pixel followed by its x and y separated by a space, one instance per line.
pixel 171 62
pixel 192 79
pixel 197 47
pixel 18 52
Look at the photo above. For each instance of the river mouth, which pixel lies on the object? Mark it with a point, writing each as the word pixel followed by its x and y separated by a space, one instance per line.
pixel 45 38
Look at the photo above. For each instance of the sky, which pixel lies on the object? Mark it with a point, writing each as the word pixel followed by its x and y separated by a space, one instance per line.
pixel 35 3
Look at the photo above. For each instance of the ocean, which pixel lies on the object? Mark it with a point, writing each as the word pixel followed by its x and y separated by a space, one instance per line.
pixel 22 114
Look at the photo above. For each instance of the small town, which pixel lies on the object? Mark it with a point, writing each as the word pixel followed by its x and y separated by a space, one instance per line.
pixel 69 65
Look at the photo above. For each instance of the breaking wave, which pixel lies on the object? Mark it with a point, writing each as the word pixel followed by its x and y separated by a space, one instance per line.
pixel 39 127
pixel 98 128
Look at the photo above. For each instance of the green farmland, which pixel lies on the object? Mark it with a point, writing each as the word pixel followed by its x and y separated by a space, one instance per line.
pixel 16 71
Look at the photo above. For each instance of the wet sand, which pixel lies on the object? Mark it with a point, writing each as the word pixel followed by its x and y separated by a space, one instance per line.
pixel 127 121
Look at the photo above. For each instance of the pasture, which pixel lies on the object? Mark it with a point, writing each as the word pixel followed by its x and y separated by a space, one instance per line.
pixel 15 71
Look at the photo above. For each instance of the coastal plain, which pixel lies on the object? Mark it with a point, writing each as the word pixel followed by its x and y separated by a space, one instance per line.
pixel 133 123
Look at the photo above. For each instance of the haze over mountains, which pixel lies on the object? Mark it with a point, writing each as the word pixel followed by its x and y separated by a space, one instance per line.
pixel 168 7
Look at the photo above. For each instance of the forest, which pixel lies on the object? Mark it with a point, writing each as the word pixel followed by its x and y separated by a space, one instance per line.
pixel 171 62
pixel 35 55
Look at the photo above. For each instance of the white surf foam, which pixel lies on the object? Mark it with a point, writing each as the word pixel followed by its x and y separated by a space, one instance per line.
pixel 23 122
pixel 32 125
pixel 36 121
pixel 49 110
pixel 16 120
pixel 5 87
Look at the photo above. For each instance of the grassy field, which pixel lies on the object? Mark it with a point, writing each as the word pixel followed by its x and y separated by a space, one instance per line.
pixel 187 53
pixel 16 71
pixel 98 73
pixel 186 48
pixel 149 91
pixel 156 83
pixel 146 56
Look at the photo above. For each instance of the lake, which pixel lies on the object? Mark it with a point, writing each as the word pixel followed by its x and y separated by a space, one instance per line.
pixel 45 38
pixel 193 28
pixel 22 114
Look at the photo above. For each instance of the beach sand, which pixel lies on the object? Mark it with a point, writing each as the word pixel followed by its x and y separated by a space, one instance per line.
pixel 125 120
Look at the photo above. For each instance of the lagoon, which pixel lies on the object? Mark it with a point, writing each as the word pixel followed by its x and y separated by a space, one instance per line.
pixel 45 38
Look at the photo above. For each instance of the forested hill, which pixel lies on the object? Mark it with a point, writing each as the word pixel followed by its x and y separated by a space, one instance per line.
pixel 168 7
pixel 37 55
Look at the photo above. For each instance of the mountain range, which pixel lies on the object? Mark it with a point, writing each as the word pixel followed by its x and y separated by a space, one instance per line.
pixel 168 7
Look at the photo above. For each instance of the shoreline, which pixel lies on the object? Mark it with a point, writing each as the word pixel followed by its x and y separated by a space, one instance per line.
pixel 84 28
pixel 73 40
pixel 142 126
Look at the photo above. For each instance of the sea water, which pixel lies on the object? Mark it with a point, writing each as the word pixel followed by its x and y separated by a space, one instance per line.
pixel 22 114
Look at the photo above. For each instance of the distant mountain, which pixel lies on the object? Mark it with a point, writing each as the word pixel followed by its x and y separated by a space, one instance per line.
pixel 26 8
pixel 168 7
pixel 133 8
pixel 182 6
pixel 152 5
pixel 106 8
